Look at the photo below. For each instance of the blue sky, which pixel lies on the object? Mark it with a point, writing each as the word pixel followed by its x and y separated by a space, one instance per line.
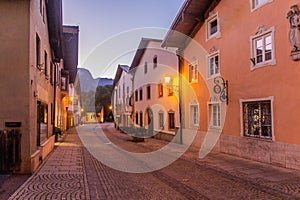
pixel 101 22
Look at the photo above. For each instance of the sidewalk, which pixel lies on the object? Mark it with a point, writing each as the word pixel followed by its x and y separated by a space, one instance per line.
pixel 61 176
pixel 70 172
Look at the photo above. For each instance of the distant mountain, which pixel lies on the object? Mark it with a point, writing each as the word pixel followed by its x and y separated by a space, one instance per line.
pixel 88 83
pixel 104 81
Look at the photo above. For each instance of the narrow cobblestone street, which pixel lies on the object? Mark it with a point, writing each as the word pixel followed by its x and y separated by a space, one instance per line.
pixel 71 172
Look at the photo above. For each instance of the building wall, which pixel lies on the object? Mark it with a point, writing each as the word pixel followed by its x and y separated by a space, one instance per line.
pixel 167 65
pixel 123 112
pixel 22 83
pixel 40 88
pixel 14 16
pixel 277 81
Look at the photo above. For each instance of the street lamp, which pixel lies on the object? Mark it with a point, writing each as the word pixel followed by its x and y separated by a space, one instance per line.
pixel 167 79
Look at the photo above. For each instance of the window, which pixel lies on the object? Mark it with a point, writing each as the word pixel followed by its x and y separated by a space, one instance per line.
pixel 194 115
pixel 155 61
pixel 161 119
pixel 193 73
pixel 141 94
pixel 136 95
pixel 213 65
pixel 171 120
pixel 257 119
pixel 44 14
pixel 136 118
pixel 46 63
pixel 262 49
pixel 51 73
pixel 41 7
pixel 160 90
pixel 213 27
pixel 141 119
pixel 64 83
pixel 215 115
pixel 42 122
pixel 38 52
pixel 146 68
pixel 258 3
pixel 170 91
pixel 148 92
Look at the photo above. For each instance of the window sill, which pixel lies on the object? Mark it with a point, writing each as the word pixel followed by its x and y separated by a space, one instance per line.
pixel 259 6
pixel 259 138
pixel 265 64
pixel 213 76
pixel 215 128
pixel 216 35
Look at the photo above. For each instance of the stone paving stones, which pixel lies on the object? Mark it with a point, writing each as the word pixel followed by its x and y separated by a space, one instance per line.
pixel 71 172
pixel 62 176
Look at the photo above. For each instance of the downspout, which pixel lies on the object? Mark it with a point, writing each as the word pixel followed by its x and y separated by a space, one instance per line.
pixel 180 66
pixel 54 98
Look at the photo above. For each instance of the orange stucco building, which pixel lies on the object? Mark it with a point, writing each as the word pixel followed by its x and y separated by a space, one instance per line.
pixel 254 46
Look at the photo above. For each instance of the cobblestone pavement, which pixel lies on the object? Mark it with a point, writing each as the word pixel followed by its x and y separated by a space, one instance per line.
pixel 71 172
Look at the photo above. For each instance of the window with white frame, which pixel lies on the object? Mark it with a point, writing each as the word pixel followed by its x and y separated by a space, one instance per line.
pixel 161 120
pixel 193 72
pixel 262 49
pixel 213 65
pixel 213 27
pixel 257 119
pixel 215 115
pixel 194 113
pixel 258 3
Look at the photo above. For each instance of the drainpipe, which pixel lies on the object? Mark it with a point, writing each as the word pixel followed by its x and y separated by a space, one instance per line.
pixel 180 66
pixel 54 99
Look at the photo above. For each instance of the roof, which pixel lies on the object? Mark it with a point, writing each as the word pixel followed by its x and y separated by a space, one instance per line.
pixel 54 15
pixel 188 21
pixel 141 50
pixel 70 50
pixel 120 69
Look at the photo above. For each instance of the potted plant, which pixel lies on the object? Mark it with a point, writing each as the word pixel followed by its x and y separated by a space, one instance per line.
pixel 57 132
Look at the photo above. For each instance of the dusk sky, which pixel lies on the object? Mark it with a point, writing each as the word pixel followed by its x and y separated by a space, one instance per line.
pixel 106 25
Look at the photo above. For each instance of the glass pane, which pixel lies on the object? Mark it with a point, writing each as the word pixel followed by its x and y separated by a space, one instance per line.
pixel 259 44
pixel 217 64
pixel 214 116
pixel 211 66
pixel 253 120
pixel 259 59
pixel 268 53
pixel 213 26
pixel 268 40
